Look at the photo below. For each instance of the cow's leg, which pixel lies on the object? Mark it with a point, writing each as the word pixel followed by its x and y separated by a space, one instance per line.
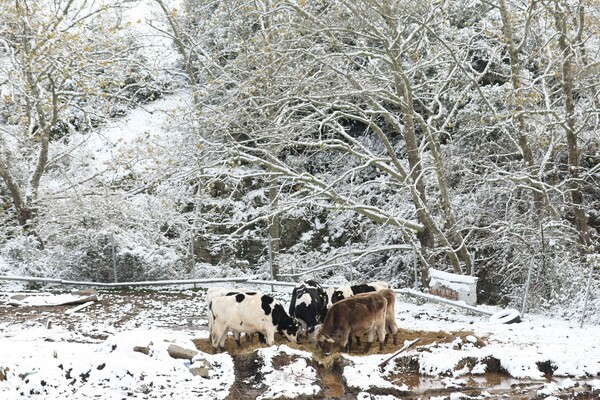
pixel 346 340
pixel 380 330
pixel 370 337
pixel 237 336
pixel 220 334
pixel 223 339
pixel 394 331
pixel 269 336
pixel 391 329
pixel 302 331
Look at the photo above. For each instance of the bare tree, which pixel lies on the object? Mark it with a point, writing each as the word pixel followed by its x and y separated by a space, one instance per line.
pixel 510 36
pixel 391 94
pixel 569 40
pixel 65 60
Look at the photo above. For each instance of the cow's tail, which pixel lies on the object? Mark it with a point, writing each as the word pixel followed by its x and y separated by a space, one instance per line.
pixel 292 310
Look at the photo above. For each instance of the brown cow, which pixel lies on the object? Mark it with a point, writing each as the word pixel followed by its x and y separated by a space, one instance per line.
pixel 391 327
pixel 357 315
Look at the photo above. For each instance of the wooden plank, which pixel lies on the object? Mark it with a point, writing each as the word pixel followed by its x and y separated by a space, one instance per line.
pixel 79 307
pixel 406 346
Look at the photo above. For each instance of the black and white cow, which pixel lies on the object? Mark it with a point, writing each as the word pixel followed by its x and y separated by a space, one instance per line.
pixel 214 292
pixel 244 313
pixel 344 292
pixel 309 305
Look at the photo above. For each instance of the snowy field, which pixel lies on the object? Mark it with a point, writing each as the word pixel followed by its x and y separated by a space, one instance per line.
pixel 118 347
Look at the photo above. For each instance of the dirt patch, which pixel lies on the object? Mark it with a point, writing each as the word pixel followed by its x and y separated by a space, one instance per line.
pixel 330 368
pixel 247 377
pixel 547 368
pixel 333 381
pixel 114 309
pixel 3 372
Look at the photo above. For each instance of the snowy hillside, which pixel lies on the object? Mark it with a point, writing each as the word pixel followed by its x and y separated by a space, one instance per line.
pixel 328 140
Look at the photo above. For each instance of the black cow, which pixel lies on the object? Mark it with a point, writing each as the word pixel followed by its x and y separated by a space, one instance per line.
pixel 309 305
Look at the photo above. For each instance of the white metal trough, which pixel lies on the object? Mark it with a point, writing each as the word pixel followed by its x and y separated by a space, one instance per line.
pixel 453 286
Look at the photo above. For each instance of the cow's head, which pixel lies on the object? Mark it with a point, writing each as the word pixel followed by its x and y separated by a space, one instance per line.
pixel 323 341
pixel 291 332
pixel 337 295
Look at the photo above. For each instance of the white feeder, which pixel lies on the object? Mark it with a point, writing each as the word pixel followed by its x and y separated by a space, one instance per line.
pixel 453 286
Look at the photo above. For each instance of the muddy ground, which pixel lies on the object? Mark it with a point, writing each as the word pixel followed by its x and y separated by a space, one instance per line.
pixel 185 311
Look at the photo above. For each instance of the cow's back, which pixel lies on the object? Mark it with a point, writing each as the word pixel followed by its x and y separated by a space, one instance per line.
pixel 239 311
pixel 353 311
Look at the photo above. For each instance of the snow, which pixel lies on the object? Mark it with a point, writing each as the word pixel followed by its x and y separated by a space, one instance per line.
pixel 298 372
pixel 52 369
pixel 364 373
pixel 50 300
pixel 446 276
pixel 58 362
pixel 572 350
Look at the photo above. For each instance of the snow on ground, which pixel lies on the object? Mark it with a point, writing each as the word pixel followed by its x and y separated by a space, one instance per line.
pixel 278 382
pixel 133 144
pixel 41 365
pixel 572 350
pixel 68 361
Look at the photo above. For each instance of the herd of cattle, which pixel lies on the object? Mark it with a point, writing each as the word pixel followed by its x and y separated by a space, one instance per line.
pixel 326 316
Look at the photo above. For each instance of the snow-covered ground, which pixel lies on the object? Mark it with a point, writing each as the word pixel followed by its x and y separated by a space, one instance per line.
pixel 90 354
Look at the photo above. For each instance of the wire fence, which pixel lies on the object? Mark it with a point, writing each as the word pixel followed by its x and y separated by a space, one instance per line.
pixel 343 261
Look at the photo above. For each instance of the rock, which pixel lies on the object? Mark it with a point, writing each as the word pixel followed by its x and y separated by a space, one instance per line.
pixel 201 367
pixel 3 373
pixel 142 349
pixel 176 351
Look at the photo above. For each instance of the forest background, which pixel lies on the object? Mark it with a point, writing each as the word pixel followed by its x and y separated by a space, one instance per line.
pixel 461 135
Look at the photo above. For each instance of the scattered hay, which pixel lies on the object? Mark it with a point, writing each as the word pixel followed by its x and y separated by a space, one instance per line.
pixel 426 339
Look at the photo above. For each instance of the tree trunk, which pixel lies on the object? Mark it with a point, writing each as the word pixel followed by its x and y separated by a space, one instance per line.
pixel 24 213
pixel 519 100
pixel 568 83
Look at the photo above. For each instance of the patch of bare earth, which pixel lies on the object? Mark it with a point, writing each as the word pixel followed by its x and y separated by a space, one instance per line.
pixel 329 367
